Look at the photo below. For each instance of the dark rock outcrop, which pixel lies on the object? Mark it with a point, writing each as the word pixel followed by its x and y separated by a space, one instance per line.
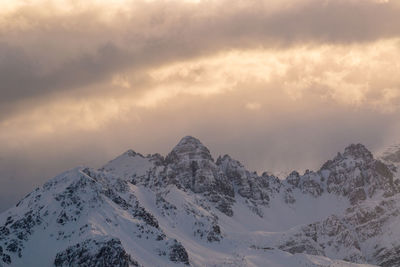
pixel 178 253
pixel 95 253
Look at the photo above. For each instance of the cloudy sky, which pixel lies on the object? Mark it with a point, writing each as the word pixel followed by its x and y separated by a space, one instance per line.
pixel 277 84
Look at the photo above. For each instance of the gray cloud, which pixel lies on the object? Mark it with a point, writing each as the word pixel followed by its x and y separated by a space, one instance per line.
pixel 159 33
pixel 21 78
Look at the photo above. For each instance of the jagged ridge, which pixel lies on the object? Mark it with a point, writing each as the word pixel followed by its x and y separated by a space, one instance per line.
pixel 188 209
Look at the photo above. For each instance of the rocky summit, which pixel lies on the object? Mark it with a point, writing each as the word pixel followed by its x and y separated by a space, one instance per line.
pixel 187 209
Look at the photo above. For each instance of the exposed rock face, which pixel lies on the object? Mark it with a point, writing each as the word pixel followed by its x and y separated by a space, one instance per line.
pixel 178 253
pixel 331 237
pixel 358 175
pixel 352 236
pixel 256 189
pixel 249 185
pixel 191 166
pixel 355 174
pixel 96 253
pixel 189 148
pixel 187 209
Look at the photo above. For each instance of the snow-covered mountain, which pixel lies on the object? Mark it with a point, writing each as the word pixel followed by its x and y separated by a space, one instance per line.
pixel 189 209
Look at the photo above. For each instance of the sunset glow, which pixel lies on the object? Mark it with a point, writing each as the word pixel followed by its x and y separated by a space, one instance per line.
pixel 114 71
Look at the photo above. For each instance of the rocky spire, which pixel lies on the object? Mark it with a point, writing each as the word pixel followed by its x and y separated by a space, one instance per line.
pixel 189 148
pixel 358 151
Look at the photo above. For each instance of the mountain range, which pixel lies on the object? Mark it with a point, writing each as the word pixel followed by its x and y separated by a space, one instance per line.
pixel 189 209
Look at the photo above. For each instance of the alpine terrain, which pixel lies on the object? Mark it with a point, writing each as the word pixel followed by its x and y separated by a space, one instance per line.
pixel 188 209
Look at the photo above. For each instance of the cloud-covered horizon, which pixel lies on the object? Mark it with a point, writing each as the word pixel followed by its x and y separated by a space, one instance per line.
pixel 279 85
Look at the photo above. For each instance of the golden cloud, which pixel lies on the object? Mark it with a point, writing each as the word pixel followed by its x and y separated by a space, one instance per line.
pixel 354 76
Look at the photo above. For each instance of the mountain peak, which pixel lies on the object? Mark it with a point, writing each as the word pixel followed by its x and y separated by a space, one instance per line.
pixel 189 148
pixel 352 152
pixel 146 211
pixel 358 151
pixel 189 140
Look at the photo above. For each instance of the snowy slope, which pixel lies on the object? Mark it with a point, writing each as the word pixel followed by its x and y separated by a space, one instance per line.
pixel 187 209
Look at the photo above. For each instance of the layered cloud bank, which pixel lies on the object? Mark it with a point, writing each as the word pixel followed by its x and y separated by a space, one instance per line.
pixel 266 81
